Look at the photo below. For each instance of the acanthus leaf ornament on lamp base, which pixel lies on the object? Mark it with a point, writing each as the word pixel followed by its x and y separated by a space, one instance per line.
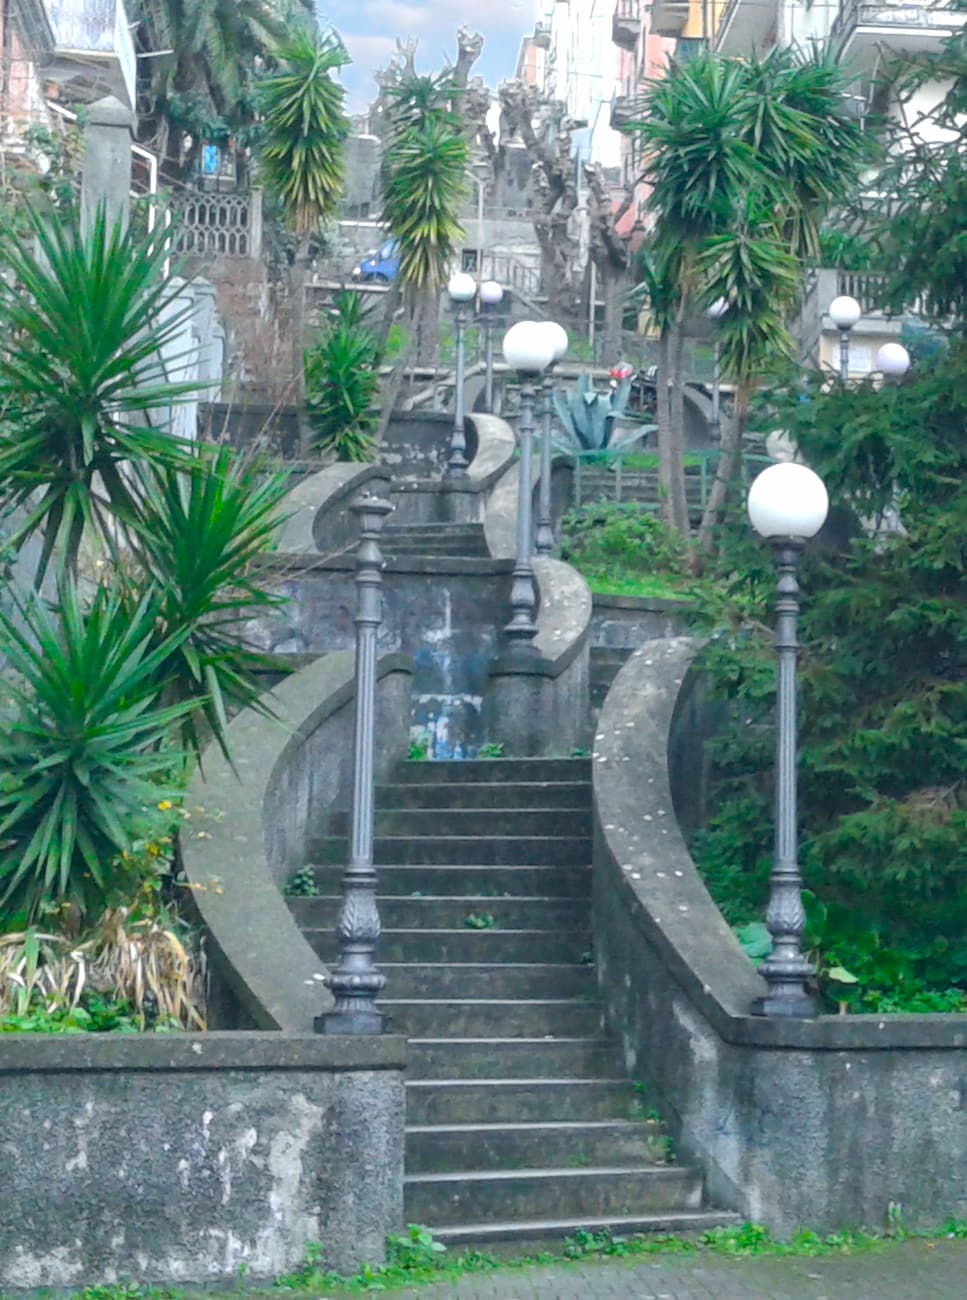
pixel 462 289
pixel 529 351
pixel 354 982
pixel 544 533
pixel 787 505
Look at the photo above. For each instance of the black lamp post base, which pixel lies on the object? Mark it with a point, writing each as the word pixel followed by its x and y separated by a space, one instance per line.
pixel 363 1021
pixel 791 1006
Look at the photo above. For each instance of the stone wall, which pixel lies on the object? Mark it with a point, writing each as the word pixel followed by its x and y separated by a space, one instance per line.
pixel 170 1159
pixel 823 1123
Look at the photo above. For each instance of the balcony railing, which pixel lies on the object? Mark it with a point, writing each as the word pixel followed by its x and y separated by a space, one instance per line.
pixel 95 32
pixel 902 17
pixel 626 24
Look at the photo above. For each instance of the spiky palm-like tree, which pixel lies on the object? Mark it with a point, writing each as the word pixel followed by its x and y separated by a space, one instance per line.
pixel 744 159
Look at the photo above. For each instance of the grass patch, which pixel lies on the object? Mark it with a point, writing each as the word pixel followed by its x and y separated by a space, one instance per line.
pixel 649 587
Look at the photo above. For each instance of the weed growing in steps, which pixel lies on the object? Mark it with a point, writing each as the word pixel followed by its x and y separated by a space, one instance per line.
pixel 415 1257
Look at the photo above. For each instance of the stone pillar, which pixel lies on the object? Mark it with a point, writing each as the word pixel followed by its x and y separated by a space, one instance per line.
pixel 106 180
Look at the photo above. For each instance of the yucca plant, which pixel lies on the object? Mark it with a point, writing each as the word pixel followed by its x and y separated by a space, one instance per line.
pixel 342 381
pixel 83 385
pixel 197 537
pixel 424 186
pixel 82 744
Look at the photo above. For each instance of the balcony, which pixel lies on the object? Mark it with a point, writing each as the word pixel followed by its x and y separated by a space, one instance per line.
pixel 747 25
pixel 668 17
pixel 862 32
pixel 93 50
pixel 625 109
pixel 626 24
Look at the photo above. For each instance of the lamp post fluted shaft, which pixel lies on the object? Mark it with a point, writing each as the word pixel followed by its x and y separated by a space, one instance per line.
pixel 457 463
pixel 488 324
pixel 844 355
pixel 544 533
pixel 786 971
pixel 522 628
pixel 355 982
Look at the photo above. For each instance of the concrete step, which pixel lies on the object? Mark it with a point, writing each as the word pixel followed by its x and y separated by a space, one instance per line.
pixel 437 771
pixel 486 794
pixel 433 530
pixel 454 550
pixel 485 822
pixel 466 945
pixel 446 1148
pixel 487 1018
pixel 514 1058
pixel 457 850
pixel 452 913
pixel 469 880
pixel 498 1100
pixel 482 1196
pixel 480 980
pixel 511 1238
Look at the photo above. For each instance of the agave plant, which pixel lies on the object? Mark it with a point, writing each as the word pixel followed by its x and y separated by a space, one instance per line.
pixel 197 536
pixel 83 382
pixel 81 744
pixel 342 381
pixel 588 419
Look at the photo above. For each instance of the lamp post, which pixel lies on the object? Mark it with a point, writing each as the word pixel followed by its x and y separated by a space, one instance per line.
pixel 892 360
pixel 844 312
pixel 491 295
pixel 462 289
pixel 355 982
pixel 787 505
pixel 544 533
pixel 529 351
pixel 715 313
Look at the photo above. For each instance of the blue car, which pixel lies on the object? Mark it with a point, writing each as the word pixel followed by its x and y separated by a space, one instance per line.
pixel 381 266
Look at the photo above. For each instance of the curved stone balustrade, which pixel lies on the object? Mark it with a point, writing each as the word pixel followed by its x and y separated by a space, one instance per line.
pixel 817 1123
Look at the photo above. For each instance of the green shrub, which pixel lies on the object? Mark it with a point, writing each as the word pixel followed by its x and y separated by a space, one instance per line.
pixel 342 382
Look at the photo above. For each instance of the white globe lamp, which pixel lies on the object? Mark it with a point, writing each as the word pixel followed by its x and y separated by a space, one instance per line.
pixel 491 293
pixel 559 340
pixel 844 312
pixel 717 309
pixel 892 359
pixel 462 287
pixel 528 348
pixel 788 500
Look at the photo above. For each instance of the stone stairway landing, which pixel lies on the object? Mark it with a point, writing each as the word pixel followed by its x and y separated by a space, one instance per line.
pixel 521 1126
pixel 456 540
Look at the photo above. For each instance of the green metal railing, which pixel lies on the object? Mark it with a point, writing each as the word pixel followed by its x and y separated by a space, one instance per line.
pixel 632 475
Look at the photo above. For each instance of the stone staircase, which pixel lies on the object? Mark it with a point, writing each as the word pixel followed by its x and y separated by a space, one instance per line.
pixel 459 540
pixel 606 663
pixel 522 1126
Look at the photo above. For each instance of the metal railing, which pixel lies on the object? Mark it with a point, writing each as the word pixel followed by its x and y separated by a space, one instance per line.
pixel 857 13
pixel 629 476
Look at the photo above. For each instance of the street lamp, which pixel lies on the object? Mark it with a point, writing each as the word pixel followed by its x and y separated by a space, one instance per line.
pixel 787 505
pixel 892 359
pixel 544 534
pixel 715 313
pixel 462 289
pixel 355 983
pixel 529 350
pixel 844 312
pixel 491 296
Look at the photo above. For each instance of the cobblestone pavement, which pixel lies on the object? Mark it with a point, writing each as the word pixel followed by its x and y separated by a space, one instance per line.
pixel 913 1270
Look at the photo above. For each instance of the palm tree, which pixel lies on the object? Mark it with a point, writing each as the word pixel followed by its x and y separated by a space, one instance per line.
pixel 302 159
pixel 744 159
pixel 201 74
pixel 84 386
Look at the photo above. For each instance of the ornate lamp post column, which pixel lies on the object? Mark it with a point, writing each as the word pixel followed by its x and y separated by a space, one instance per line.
pixel 844 312
pixel 491 295
pixel 787 505
pixel 544 534
pixel 527 350
pixel 715 313
pixel 355 982
pixel 462 289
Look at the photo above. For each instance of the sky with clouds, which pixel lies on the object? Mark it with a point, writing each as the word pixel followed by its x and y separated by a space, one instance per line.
pixel 370 29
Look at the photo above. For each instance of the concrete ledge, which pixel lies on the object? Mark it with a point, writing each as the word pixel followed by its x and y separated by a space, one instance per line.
pixel 496 448
pixel 316 508
pixel 255 823
pixel 820 1122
